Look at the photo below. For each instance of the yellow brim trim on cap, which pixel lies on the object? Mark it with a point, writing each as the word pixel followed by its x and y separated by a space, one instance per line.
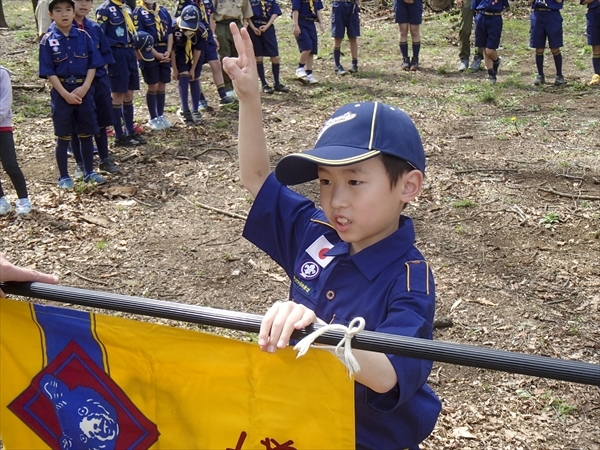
pixel 339 162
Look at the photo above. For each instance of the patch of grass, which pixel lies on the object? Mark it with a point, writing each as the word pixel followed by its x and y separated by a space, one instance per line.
pixel 101 244
pixel 488 95
pixel 464 203
pixel 550 219
pixel 561 407
pixel 221 124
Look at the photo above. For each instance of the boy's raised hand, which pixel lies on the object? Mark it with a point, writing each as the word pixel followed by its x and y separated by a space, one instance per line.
pixel 242 70
pixel 279 323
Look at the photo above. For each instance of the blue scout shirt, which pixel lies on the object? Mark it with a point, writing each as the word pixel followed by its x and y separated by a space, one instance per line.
pixel 388 284
pixel 95 32
pixel 263 10
pixel 489 5
pixel 68 56
pixel 549 4
pixel 112 21
pixel 206 8
pixel 144 20
pixel 307 8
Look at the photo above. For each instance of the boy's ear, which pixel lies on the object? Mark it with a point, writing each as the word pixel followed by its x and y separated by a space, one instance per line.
pixel 412 182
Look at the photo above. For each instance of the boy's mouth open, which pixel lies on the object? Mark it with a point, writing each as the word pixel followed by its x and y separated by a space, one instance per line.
pixel 342 223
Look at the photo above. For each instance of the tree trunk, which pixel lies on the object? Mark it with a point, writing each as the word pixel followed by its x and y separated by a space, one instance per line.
pixel 3 23
pixel 440 5
pixel 34 4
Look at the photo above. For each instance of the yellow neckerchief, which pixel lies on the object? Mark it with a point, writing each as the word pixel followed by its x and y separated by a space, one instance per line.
pixel 128 21
pixel 312 6
pixel 202 8
pixel 160 31
pixel 263 6
pixel 189 54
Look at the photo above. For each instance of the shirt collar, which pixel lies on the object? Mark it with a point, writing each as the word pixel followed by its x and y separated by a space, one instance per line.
pixel 372 260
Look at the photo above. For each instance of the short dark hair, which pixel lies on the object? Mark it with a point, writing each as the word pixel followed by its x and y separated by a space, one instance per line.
pixel 395 167
pixel 53 3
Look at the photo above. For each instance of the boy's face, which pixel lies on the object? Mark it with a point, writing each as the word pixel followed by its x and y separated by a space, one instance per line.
pixel 63 14
pixel 360 203
pixel 82 7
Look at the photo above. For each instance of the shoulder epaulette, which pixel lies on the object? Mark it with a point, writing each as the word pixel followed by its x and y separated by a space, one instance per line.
pixel 321 222
pixel 417 276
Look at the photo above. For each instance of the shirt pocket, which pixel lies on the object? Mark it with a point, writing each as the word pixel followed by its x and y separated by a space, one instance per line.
pixel 59 57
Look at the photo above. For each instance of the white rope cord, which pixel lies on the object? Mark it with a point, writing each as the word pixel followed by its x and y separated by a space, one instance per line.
pixel 343 350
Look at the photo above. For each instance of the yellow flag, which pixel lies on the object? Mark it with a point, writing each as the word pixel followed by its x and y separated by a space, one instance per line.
pixel 72 379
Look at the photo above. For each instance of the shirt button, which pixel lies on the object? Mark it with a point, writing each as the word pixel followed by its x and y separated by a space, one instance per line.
pixel 330 295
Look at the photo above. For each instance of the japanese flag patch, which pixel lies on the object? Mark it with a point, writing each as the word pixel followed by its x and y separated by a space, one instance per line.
pixel 53 42
pixel 318 249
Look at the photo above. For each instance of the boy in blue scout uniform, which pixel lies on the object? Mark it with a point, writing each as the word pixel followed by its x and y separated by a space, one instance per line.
pixel 68 59
pixel 114 18
pixel 488 30
pixel 546 22
pixel 189 36
pixel 355 257
pixel 593 36
pixel 155 20
pixel 304 14
pixel 345 16
pixel 408 14
pixel 102 95
pixel 264 39
pixel 210 55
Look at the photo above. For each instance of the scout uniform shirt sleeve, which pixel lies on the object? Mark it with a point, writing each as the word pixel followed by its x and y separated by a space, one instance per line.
pixel 247 9
pixel 277 222
pixel 46 59
pixel 275 9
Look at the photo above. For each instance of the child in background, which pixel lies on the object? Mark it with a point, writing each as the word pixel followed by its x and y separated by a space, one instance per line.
pixel 593 36
pixel 189 36
pixel 8 155
pixel 546 22
pixel 102 95
pixel 155 20
pixel 264 40
pixel 69 59
pixel 409 14
pixel 345 16
pixel 488 31
pixel 354 256
pixel 304 15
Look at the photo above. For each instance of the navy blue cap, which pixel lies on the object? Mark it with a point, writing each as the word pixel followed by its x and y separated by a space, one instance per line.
pixel 354 133
pixel 190 18
pixel 144 43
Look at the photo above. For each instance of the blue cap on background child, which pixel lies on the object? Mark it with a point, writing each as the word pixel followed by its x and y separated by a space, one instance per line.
pixel 190 18
pixel 144 43
pixel 355 133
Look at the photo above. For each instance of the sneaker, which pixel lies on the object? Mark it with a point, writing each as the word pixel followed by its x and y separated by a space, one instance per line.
pixel 595 80
pixel 414 65
pixel 203 106
pixel 4 206
pixel 65 183
pixel 23 206
pixel 559 80
pixel 405 64
pixel 126 141
pixel 136 137
pixel 109 166
pixel 197 117
pixel 492 78
pixel 231 94
pixel 496 65
pixel 268 89
pixel 155 124
pixel 311 78
pixel 539 80
pixel 94 178
pixel 186 117
pixel 281 88
pixel 226 102
pixel 476 64
pixel 353 69
pixel 110 132
pixel 138 129
pixel 301 73
pixel 339 70
pixel 164 122
pixel 78 172
pixel 464 64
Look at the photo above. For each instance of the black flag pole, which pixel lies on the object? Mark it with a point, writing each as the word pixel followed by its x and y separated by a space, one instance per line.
pixel 452 353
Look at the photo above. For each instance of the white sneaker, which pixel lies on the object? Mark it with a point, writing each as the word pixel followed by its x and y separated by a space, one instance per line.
pixel 155 124
pixel 301 72
pixel 164 122
pixel 311 78
pixel 231 94
pixel 23 206
pixel 4 206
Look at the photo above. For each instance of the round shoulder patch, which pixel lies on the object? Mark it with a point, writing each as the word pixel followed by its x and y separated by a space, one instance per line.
pixel 308 270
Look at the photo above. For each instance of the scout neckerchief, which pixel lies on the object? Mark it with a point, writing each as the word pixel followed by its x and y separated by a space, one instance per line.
pixel 311 4
pixel 189 54
pixel 126 16
pixel 202 8
pixel 160 31
pixel 263 6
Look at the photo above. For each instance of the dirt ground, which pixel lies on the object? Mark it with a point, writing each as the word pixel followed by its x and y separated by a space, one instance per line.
pixel 509 220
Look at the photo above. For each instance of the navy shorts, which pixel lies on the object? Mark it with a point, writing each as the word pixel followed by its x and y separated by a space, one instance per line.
pixel 124 75
pixel 345 15
pixel 488 30
pixel 545 24
pixel 66 116
pixel 266 43
pixel 184 66
pixel 593 26
pixel 411 13
pixel 103 101
pixel 308 39
pixel 210 53
pixel 155 72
